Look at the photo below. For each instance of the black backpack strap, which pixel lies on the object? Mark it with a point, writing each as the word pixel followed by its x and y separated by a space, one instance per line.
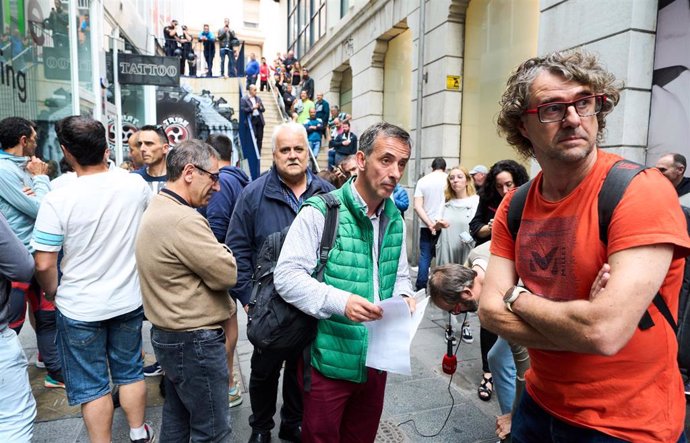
pixel 517 206
pixel 330 229
pixel 616 182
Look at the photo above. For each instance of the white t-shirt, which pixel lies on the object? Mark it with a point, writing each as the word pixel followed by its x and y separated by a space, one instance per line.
pixel 431 187
pixel 94 220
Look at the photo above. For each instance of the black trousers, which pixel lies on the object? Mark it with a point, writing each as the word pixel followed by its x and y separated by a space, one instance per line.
pixel 263 389
pixel 258 132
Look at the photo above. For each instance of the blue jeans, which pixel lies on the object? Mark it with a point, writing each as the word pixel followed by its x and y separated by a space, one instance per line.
pixel 531 424
pixel 94 351
pixel 196 385
pixel 315 147
pixel 427 251
pixel 331 159
pixel 227 52
pixel 17 404
pixel 502 367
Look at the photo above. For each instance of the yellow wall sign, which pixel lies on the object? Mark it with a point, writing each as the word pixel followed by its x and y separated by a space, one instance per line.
pixel 453 82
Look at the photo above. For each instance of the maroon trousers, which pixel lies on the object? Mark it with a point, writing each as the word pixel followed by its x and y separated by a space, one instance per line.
pixel 342 411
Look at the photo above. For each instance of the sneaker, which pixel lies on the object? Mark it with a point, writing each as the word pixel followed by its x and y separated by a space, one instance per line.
pixel 153 370
pixel 39 362
pixel 234 397
pixel 150 435
pixel 53 381
pixel 467 333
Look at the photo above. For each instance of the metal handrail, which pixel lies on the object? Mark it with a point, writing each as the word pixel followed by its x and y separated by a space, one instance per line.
pixel 279 101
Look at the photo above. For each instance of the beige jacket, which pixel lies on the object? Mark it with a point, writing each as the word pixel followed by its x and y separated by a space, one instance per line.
pixel 185 273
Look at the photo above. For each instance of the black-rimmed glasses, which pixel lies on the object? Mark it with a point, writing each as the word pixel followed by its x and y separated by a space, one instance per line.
pixel 215 176
pixel 555 111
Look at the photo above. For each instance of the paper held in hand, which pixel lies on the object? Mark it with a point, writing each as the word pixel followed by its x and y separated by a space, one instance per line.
pixel 390 338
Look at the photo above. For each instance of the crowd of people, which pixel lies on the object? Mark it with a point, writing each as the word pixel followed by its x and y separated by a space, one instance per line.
pixel 177 240
pixel 179 42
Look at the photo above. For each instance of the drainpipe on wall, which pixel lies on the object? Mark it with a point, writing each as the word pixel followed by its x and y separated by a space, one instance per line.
pixel 73 57
pixel 115 40
pixel 418 126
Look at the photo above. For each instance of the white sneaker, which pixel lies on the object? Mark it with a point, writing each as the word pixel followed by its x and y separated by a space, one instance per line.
pixel 467 333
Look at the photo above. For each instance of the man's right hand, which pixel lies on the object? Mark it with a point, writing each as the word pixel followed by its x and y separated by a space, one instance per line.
pixel 36 166
pixel 600 281
pixel 359 309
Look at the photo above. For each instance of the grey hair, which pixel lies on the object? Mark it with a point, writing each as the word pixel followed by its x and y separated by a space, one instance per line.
pixel 576 65
pixel 289 126
pixel 446 282
pixel 194 152
pixel 382 129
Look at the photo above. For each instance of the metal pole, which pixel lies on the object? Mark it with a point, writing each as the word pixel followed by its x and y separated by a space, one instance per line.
pixel 115 38
pixel 95 26
pixel 74 56
pixel 418 125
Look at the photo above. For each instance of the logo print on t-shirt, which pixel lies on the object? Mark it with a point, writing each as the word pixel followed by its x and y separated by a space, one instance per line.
pixel 547 262
pixel 544 262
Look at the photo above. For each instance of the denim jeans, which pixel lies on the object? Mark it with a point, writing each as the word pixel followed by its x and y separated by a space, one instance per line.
pixel 196 385
pixel 502 367
pixel 93 352
pixel 531 423
pixel 427 251
pixel 17 404
pixel 315 147
pixel 227 52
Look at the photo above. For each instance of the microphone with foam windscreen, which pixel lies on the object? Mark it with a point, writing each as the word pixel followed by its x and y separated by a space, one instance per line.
pixel 450 361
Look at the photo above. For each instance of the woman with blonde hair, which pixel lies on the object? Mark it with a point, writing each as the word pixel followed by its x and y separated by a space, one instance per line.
pixel 455 242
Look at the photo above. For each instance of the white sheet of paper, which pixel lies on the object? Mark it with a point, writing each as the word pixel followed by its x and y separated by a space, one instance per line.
pixel 390 337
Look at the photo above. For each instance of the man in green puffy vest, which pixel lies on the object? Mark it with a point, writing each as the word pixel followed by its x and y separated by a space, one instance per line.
pixel 367 264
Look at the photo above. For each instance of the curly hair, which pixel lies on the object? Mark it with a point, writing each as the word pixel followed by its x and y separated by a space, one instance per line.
pixel 488 191
pixel 469 187
pixel 573 65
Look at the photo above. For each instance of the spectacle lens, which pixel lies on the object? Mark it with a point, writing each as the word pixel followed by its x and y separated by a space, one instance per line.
pixel 215 176
pixel 556 111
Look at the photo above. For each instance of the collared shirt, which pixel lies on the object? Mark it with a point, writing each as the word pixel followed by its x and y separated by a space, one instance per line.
pixel 290 197
pixel 299 257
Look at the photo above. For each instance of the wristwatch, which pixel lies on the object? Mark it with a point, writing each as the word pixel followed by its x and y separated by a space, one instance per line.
pixel 511 295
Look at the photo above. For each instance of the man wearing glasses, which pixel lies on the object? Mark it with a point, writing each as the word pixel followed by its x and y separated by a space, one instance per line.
pixel 185 274
pixel 595 375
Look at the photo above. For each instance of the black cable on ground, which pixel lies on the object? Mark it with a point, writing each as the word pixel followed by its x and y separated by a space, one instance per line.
pixel 452 399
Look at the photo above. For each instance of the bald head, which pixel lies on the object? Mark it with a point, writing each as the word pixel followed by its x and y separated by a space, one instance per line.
pixel 673 167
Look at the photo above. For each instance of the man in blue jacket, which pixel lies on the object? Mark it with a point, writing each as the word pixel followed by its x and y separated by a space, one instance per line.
pixel 314 127
pixel 252 70
pixel 23 184
pixel 218 213
pixel 209 42
pixel 268 205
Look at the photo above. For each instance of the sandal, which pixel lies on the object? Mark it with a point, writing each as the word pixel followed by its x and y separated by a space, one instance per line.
pixel 486 388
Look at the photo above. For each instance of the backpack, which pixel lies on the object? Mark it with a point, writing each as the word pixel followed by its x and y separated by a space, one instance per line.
pixel 273 323
pixel 616 182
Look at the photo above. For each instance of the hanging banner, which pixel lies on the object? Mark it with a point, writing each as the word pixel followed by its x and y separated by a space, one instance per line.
pixel 178 118
pixel 134 69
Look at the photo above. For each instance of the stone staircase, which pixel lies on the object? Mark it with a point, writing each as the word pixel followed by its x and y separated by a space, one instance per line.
pixel 229 89
pixel 273 118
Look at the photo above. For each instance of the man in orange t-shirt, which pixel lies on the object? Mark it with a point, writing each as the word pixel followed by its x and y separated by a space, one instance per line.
pixel 595 375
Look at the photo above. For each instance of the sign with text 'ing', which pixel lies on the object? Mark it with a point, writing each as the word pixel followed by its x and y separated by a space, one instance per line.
pixel 136 69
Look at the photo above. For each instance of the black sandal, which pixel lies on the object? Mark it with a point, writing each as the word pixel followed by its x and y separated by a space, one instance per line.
pixel 486 388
